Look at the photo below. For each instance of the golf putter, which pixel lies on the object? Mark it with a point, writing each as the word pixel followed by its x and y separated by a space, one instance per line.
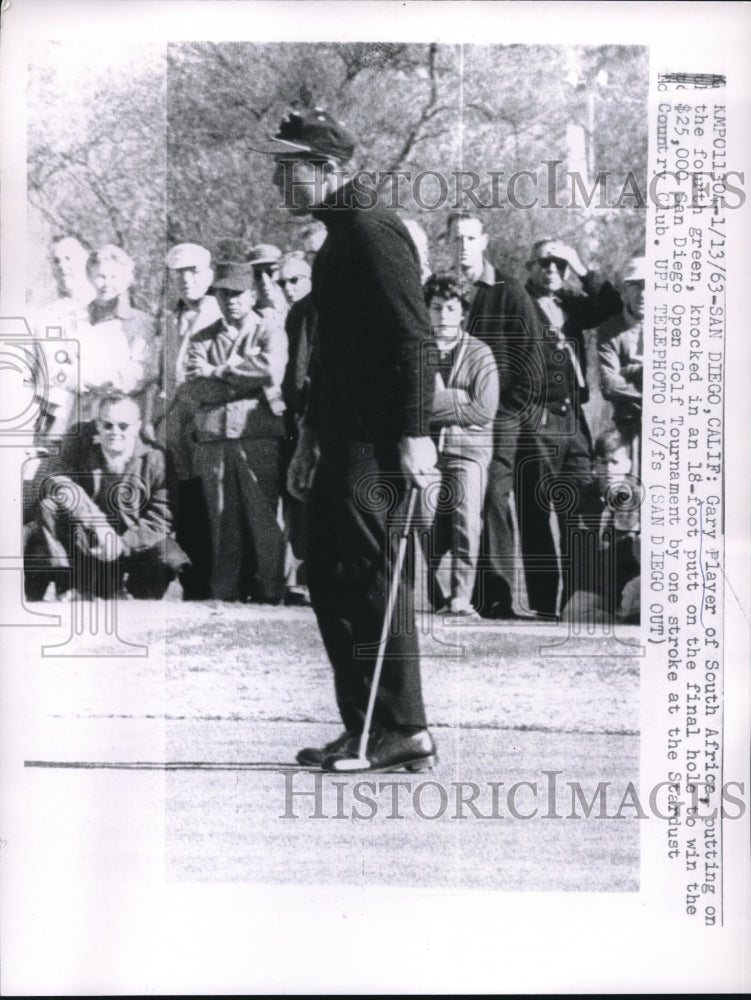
pixel 361 762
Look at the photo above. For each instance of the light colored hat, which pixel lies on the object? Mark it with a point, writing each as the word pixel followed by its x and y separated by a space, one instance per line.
pixel 264 253
pixel 636 270
pixel 187 255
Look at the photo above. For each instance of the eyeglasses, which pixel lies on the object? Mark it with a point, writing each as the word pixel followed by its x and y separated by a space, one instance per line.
pixel 545 262
pixel 108 425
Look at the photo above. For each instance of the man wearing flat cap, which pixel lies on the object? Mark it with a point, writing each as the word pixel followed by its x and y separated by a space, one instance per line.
pixel 196 310
pixel 234 372
pixel 364 441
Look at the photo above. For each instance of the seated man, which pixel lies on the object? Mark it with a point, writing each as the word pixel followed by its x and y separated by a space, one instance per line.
pixel 464 406
pixel 102 521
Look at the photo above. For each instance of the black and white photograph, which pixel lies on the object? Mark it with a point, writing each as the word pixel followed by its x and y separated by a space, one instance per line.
pixel 375 575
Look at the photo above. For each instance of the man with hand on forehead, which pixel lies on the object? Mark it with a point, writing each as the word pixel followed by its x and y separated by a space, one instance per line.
pixel 364 442
pixel 555 455
pixel 265 259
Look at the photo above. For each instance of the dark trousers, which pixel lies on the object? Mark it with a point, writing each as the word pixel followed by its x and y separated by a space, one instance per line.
pixel 619 563
pixel 354 511
pixel 193 532
pixel 241 480
pixel 554 474
pixel 295 522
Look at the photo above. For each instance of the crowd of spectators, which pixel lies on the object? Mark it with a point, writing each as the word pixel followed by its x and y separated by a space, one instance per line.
pixel 163 444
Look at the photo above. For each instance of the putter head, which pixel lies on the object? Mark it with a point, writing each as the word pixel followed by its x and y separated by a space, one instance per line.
pixel 350 764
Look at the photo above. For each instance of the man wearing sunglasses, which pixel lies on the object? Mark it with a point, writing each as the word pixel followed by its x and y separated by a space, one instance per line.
pixel 554 461
pixel 103 522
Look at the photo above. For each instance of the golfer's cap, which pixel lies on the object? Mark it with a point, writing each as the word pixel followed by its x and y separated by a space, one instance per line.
pixel 264 253
pixel 636 270
pixel 311 131
pixel 187 255
pixel 238 277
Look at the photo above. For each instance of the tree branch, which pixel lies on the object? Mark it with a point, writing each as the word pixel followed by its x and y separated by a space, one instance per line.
pixel 429 111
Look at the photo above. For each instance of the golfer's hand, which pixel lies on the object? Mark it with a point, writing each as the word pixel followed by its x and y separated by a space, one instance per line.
pixel 418 456
pixel 303 464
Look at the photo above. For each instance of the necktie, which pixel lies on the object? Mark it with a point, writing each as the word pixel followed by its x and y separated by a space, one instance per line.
pixel 569 349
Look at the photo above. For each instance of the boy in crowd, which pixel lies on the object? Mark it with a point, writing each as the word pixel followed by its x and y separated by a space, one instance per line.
pixel 619 528
pixel 464 406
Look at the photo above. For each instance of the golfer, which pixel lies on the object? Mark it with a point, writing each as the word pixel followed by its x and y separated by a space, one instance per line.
pixel 364 442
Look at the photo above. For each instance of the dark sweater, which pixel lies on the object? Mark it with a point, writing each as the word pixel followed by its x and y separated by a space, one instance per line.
pixel 464 410
pixel 367 380
pixel 504 318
